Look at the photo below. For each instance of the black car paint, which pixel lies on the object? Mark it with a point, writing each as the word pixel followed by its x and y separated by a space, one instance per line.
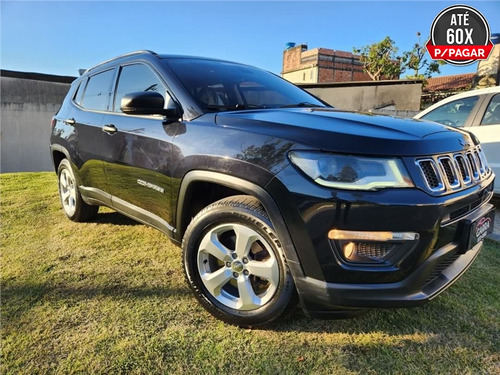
pixel 338 131
pixel 247 151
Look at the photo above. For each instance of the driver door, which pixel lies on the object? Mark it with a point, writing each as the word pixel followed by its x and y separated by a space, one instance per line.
pixel 137 151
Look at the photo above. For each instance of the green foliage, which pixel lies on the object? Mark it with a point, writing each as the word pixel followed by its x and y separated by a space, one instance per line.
pixel 379 59
pixel 414 60
pixel 109 297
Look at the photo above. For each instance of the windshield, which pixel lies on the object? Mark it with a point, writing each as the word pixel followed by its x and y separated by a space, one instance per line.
pixel 224 86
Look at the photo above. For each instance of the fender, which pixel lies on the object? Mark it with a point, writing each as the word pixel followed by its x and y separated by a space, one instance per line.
pixel 59 148
pixel 249 188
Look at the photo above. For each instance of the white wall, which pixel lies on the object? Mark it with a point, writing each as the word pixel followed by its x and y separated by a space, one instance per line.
pixel 356 96
pixel 306 75
pixel 27 107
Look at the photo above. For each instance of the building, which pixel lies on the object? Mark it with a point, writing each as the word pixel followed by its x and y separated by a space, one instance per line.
pixel 439 88
pixel 396 97
pixel 321 65
pixel 488 71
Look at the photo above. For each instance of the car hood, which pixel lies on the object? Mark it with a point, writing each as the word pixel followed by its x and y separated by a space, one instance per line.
pixel 349 132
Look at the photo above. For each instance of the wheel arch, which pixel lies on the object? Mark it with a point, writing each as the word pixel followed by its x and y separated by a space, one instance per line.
pixel 58 153
pixel 235 186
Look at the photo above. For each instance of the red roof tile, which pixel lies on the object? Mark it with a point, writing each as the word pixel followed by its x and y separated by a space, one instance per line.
pixel 454 82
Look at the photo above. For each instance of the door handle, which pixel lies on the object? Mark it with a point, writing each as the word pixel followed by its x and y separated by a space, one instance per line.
pixel 70 121
pixel 110 129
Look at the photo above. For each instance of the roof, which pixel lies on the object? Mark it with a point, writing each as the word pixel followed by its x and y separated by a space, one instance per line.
pixel 154 54
pixel 454 82
pixel 387 82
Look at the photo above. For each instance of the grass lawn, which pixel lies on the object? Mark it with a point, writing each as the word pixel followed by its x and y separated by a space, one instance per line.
pixel 109 297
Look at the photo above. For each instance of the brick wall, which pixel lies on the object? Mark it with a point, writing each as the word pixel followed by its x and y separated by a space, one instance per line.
pixel 292 59
pixel 333 66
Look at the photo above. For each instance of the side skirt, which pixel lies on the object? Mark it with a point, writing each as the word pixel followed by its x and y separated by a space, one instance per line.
pixel 98 197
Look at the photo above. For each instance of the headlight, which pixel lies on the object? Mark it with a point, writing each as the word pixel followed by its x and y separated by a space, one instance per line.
pixel 352 172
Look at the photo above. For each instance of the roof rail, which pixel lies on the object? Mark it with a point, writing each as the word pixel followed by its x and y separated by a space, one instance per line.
pixel 121 56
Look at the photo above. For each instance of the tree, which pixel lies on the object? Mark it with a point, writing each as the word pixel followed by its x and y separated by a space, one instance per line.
pixel 379 59
pixel 414 60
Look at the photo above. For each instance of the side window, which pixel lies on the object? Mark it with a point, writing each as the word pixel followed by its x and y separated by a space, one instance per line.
pixel 492 114
pixel 454 113
pixel 77 98
pixel 96 94
pixel 136 78
pixel 77 92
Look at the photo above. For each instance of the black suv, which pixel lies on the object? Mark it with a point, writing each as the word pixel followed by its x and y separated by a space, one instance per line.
pixel 271 193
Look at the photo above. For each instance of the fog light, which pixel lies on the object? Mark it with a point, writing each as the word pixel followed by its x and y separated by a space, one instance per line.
pixel 373 248
pixel 363 252
pixel 349 250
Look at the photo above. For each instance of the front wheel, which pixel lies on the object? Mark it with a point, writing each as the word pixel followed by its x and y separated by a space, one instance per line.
pixel 235 265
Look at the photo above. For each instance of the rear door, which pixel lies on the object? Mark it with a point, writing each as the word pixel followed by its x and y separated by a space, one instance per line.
pixel 91 103
pixel 137 151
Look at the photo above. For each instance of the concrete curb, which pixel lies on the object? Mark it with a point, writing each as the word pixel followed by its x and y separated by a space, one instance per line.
pixel 495 236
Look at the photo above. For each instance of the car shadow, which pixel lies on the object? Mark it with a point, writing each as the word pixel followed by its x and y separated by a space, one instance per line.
pixel 114 218
pixel 434 318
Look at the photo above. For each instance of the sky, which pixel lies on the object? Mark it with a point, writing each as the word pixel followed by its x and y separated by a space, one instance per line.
pixel 61 37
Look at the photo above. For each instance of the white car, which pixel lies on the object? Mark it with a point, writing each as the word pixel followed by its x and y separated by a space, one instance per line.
pixel 477 111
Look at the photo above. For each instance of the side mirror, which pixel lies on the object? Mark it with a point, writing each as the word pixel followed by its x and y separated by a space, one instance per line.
pixel 147 103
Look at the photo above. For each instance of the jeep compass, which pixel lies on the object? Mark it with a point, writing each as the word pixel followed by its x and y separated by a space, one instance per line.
pixel 273 195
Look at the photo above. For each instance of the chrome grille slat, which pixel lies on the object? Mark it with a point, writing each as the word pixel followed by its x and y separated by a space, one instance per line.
pixel 473 166
pixel 453 172
pixel 463 168
pixel 479 162
pixel 482 156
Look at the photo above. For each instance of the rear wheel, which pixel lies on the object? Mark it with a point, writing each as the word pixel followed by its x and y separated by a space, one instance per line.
pixel 235 265
pixel 73 205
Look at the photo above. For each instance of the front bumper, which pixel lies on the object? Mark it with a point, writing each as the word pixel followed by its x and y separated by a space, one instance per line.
pixel 438 272
pixel 328 286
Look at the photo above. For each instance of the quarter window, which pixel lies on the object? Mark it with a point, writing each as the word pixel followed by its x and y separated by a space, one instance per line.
pixel 78 93
pixel 454 113
pixel 492 114
pixel 136 78
pixel 97 93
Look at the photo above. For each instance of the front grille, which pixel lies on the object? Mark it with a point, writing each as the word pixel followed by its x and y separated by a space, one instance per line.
pixel 428 168
pixel 470 207
pixel 449 171
pixel 453 172
pixel 473 165
pixel 444 264
pixel 464 169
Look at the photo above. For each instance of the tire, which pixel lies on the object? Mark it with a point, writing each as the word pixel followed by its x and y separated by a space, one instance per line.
pixel 235 265
pixel 72 203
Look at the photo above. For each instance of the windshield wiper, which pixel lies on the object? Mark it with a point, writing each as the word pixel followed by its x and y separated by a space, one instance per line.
pixel 302 104
pixel 234 107
pixel 249 106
